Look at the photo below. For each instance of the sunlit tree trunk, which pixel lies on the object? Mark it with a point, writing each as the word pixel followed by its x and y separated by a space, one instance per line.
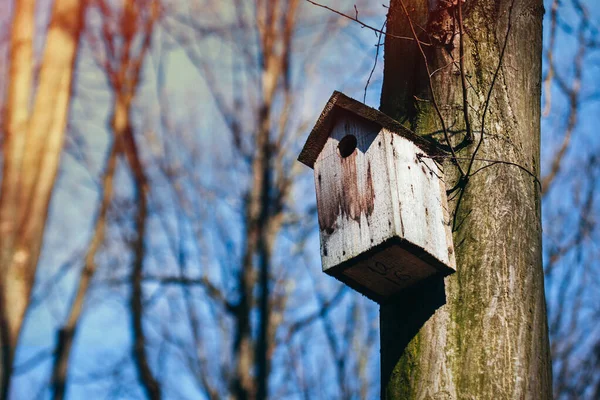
pixel 31 152
pixel 482 333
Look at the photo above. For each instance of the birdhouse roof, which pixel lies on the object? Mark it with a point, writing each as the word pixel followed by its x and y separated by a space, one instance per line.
pixel 340 102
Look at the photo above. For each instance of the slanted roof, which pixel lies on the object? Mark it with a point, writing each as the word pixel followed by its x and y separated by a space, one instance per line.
pixel 339 101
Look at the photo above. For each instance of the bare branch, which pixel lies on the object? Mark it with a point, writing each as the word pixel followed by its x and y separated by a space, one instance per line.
pixel 433 97
pixel 364 25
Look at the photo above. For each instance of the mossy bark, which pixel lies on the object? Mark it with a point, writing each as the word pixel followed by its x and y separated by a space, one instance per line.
pixel 482 332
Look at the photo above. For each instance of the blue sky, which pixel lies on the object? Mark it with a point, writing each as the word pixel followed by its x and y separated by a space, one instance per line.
pixel 343 63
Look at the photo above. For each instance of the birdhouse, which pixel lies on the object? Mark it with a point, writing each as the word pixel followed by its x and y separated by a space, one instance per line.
pixel 381 200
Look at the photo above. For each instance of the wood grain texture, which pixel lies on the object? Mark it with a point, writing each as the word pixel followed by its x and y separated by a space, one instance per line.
pixel 389 271
pixel 381 191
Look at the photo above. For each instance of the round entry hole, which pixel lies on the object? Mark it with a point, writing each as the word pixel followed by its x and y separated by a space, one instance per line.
pixel 347 145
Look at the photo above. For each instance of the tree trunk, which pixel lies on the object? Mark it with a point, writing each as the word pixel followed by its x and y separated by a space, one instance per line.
pixel 149 382
pixel 32 151
pixel 66 334
pixel 263 211
pixel 482 333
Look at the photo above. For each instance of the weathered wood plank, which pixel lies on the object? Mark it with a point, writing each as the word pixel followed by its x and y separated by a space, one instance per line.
pixel 353 193
pixel 422 199
pixel 377 197
pixel 339 102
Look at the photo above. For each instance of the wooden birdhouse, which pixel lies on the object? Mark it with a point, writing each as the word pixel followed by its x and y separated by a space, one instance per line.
pixel 381 200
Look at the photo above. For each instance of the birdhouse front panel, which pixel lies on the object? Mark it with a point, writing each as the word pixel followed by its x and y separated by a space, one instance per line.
pixel 420 243
pixel 381 200
pixel 354 198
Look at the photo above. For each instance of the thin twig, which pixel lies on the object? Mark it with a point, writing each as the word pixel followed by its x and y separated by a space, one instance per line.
pixel 489 95
pixel 364 25
pixel 573 94
pixel 493 162
pixel 522 168
pixel 326 306
pixel 32 362
pixel 461 193
pixel 461 50
pixel 464 180
pixel 433 99
pixel 375 63
pixel 441 68
pixel 550 58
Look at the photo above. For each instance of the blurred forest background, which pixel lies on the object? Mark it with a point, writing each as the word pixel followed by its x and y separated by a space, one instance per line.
pixel 180 257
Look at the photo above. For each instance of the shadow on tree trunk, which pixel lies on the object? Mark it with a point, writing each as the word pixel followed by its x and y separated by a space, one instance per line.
pixel 402 318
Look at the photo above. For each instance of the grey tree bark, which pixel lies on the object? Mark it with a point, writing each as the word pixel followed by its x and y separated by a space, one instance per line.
pixel 481 333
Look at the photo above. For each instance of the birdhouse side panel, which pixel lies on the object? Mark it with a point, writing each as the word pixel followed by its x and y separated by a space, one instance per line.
pixel 448 225
pixel 353 191
pixel 422 214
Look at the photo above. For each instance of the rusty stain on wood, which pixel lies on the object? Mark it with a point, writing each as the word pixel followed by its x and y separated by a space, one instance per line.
pixel 383 224
pixel 352 202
